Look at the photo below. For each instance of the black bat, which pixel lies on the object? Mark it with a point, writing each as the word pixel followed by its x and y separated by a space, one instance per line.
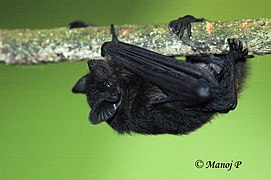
pixel 136 90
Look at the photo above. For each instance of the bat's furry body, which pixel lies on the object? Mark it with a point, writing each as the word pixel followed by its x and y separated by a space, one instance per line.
pixel 136 90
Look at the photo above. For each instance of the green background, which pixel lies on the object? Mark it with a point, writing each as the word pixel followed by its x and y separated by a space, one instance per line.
pixel 44 130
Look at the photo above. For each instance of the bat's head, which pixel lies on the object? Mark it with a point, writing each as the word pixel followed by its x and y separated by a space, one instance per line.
pixel 103 92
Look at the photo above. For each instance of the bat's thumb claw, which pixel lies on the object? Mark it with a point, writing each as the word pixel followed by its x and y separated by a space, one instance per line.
pixel 114 36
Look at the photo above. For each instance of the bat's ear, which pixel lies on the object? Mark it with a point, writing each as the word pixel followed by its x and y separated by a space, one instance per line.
pixel 105 108
pixel 102 111
pixel 80 86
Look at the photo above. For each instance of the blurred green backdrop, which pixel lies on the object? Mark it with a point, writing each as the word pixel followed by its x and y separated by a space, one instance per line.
pixel 44 131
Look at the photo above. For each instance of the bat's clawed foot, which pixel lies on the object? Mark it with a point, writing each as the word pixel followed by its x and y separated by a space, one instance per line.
pixel 181 24
pixel 236 49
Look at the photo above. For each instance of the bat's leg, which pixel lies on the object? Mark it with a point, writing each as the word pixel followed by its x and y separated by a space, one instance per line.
pixel 179 25
pixel 78 24
pixel 228 71
pixel 226 98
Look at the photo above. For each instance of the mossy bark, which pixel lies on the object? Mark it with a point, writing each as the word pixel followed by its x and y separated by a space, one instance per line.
pixel 24 46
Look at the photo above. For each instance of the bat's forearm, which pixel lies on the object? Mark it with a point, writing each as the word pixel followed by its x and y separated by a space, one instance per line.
pixel 54 45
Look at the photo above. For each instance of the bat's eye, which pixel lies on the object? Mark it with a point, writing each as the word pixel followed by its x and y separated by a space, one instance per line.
pixel 108 84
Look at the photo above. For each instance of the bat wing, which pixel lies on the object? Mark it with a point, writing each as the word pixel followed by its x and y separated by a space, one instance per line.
pixel 179 80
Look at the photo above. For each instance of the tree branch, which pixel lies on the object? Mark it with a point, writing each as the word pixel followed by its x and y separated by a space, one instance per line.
pixel 24 46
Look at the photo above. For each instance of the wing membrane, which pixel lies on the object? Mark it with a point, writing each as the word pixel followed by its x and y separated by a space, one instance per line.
pixel 179 80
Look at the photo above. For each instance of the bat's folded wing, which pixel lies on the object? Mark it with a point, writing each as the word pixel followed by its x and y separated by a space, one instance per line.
pixel 179 80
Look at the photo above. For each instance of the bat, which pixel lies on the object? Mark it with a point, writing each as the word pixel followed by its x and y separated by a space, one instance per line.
pixel 135 90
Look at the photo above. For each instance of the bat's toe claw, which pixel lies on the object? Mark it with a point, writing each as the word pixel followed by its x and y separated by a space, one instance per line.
pixel 236 48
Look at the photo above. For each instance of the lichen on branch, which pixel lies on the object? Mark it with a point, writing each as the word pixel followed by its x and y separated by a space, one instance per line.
pixel 24 46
